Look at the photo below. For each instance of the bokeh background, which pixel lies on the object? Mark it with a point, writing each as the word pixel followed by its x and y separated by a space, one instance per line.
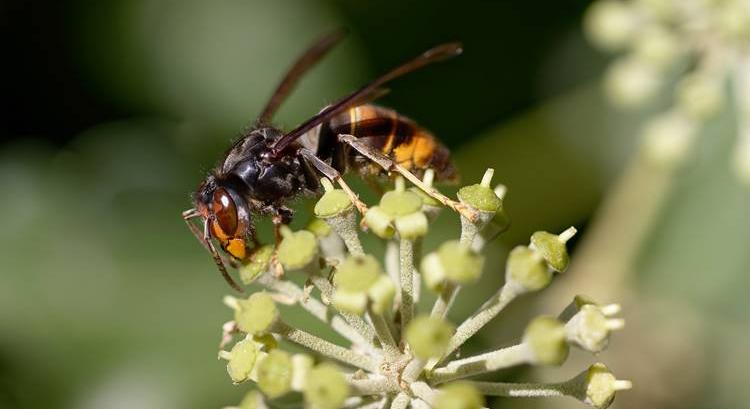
pixel 112 111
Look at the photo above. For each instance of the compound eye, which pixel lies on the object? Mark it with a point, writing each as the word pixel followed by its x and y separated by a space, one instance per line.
pixel 225 211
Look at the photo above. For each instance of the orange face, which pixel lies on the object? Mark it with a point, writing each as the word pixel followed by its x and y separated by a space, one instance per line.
pixel 227 225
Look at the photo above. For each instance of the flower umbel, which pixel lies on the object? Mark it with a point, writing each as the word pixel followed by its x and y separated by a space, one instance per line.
pixel 703 44
pixel 396 356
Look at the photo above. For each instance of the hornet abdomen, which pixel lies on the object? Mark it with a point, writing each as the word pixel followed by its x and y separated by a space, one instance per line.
pixel 396 136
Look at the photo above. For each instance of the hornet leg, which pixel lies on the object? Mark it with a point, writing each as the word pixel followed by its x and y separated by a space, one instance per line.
pixel 334 175
pixel 390 166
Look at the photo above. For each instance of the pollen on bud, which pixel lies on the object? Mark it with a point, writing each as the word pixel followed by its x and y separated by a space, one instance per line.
pixel 527 269
pixel 545 339
pixel 326 387
pixel 459 395
pixel 481 196
pixel 429 336
pixel 275 373
pixel 241 359
pixel 298 249
pixel 256 314
pixel 600 386
pixel 257 265
pixel 552 248
pixel 591 327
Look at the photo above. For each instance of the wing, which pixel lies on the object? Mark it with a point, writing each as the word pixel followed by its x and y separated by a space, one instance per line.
pixel 313 54
pixel 368 92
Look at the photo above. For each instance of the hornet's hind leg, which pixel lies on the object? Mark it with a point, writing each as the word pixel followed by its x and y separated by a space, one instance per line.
pixel 390 166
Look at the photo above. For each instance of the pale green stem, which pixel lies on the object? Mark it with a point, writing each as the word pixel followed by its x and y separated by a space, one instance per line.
pixel 520 390
pixel 373 386
pixel 401 401
pixel 355 321
pixel 378 404
pixel 478 364
pixel 326 348
pixel 345 226
pixel 406 258
pixel 413 370
pixel 479 319
pixel 420 404
pixel 316 309
pixel 423 391
pixel 384 335
pixel 392 267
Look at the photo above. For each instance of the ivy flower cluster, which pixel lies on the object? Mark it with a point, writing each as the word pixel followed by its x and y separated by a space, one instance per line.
pixel 704 42
pixel 394 355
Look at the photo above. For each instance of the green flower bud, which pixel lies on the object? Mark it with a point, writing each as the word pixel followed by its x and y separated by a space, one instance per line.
pixel 298 249
pixel 600 386
pixel 318 227
pixel 348 301
pixel 266 341
pixel 252 400
pixel 610 24
pixel 630 82
pixel 275 373
pixel 381 294
pixel 241 360
pixel 326 387
pixel 256 314
pixel 257 265
pixel 379 222
pixel 427 200
pixel 552 248
pixel 459 395
pixel 400 203
pixel 333 202
pixel 357 274
pixel 411 226
pixel 459 262
pixel 658 46
pixel 590 328
pixel 481 196
pixel 526 269
pixel 428 336
pixel 545 338
pixel 667 138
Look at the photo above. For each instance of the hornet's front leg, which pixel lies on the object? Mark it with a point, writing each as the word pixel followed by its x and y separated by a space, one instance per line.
pixel 331 173
pixel 390 166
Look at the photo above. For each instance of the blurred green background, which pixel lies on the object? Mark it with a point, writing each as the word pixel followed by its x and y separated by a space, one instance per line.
pixel 114 110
